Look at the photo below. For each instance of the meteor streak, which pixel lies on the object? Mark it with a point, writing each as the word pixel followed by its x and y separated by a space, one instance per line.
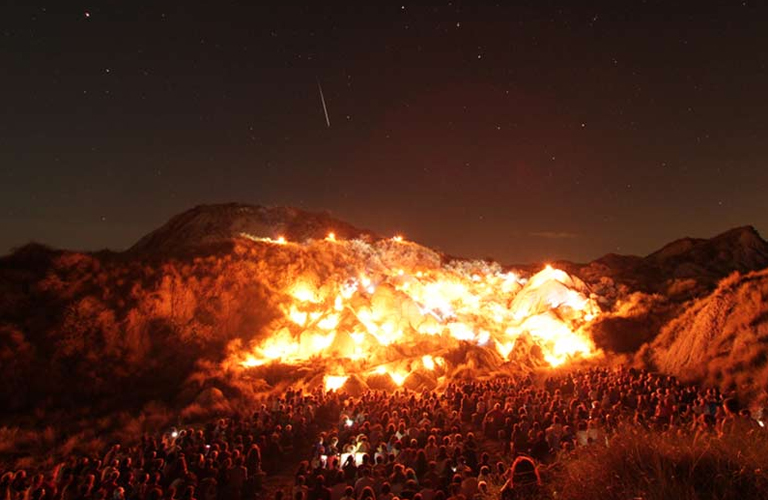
pixel 325 108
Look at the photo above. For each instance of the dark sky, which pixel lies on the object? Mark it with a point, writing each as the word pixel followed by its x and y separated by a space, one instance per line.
pixel 524 132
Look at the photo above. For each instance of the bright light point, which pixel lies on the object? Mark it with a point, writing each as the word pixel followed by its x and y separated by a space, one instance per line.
pixel 329 322
pixel 280 240
pixel 251 362
pixel 397 238
pixel 331 237
pixel 398 378
pixel 428 362
pixel 357 337
pixel 304 292
pixel 335 382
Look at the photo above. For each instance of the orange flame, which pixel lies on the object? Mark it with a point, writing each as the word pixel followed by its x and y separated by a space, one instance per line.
pixel 381 295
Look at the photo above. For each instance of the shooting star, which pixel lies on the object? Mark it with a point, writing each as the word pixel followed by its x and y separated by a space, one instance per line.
pixel 325 108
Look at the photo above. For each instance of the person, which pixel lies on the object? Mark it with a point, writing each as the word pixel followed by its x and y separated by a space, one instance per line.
pixel 349 493
pixel 320 491
pixel 482 492
pixel 365 481
pixel 524 479
pixel 386 492
pixel 367 494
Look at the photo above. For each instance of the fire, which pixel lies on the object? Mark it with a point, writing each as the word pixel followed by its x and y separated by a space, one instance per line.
pixel 398 378
pixel 334 382
pixel 428 362
pixel 369 303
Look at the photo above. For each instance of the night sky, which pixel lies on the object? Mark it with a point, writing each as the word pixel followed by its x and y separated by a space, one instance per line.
pixel 522 133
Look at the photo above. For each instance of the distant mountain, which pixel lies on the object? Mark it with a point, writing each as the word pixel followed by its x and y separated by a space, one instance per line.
pixel 740 249
pixel 207 225
pixel 699 262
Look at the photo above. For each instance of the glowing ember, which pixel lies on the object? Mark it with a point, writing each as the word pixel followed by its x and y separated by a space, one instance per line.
pixel 428 362
pixel 334 383
pixel 398 378
pixel 371 302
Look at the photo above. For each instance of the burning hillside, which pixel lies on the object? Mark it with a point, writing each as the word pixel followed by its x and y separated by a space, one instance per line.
pixel 216 298
pixel 393 308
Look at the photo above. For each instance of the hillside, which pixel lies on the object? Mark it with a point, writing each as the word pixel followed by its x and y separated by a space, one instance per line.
pixel 164 317
pixel 721 339
pixel 214 297
pixel 642 294
pixel 208 225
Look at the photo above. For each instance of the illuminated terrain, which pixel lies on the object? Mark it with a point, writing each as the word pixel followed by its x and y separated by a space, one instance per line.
pixel 393 308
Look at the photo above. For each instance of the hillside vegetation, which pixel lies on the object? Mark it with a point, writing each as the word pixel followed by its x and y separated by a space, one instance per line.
pixel 721 339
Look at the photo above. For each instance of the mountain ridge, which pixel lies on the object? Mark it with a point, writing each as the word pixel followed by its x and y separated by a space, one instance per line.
pixel 210 224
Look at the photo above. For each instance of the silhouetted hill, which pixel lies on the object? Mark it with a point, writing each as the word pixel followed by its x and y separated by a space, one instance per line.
pixel 209 225
pixel 699 262
pixel 740 249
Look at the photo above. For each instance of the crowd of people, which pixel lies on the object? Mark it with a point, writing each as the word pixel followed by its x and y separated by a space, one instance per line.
pixel 227 458
pixel 473 440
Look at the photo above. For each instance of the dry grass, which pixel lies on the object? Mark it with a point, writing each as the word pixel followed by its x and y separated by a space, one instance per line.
pixel 721 339
pixel 648 465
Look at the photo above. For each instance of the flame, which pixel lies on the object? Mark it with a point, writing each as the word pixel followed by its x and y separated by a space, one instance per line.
pixel 371 299
pixel 304 292
pixel 398 378
pixel 334 382
pixel 428 362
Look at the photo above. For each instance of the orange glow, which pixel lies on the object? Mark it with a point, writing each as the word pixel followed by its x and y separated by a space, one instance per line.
pixel 369 303
pixel 334 383
pixel 398 378
pixel 428 362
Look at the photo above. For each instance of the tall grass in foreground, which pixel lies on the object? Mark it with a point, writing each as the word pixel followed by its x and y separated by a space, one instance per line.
pixel 648 465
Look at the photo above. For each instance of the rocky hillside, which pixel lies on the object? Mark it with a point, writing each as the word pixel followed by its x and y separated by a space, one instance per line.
pixel 721 339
